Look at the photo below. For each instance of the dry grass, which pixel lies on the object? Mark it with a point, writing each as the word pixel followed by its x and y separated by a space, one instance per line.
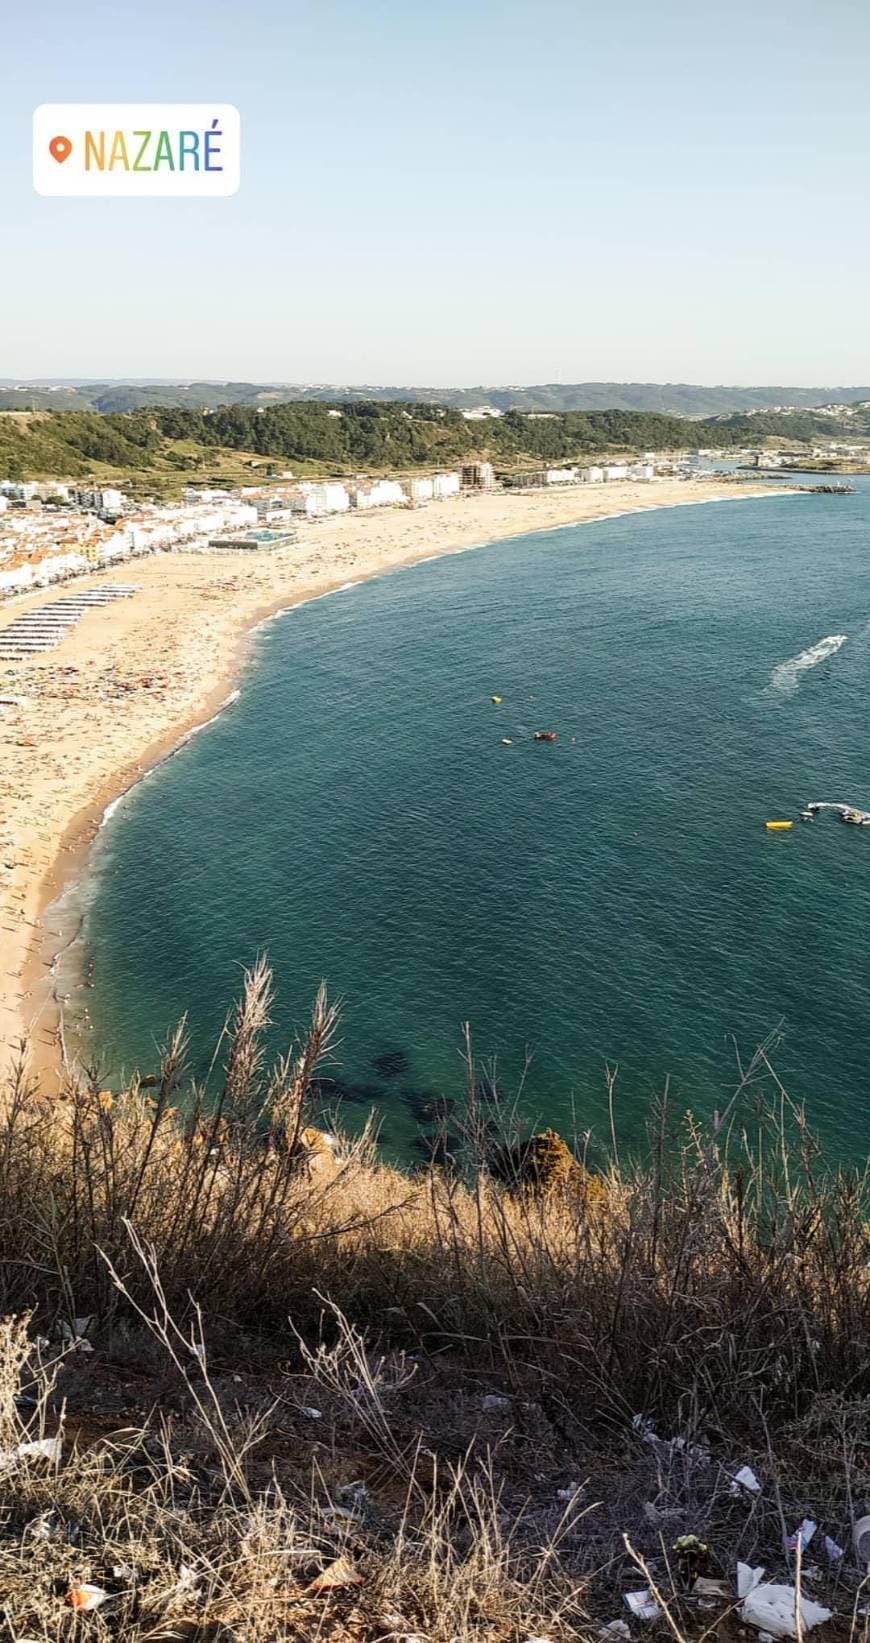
pixel 239 1273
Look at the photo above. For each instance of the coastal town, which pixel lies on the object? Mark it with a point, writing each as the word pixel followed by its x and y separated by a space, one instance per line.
pixel 51 530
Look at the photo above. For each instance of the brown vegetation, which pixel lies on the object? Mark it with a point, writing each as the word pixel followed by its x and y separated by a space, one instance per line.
pixel 303 1357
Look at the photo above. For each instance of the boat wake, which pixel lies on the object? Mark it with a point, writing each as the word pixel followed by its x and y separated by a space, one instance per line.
pixel 786 678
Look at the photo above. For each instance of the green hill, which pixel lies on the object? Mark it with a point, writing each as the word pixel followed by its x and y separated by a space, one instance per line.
pixel 158 447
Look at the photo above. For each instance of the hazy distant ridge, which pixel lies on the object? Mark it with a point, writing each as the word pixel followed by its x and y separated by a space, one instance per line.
pixel 669 398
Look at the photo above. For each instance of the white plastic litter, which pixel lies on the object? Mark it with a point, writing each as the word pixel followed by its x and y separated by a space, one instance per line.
pixel 493 1401
pixel 745 1479
pixel 84 1597
pixel 41 1449
pixel 747 1579
pixel 123 1571
pixel 616 1631
pixel 835 1553
pixel 310 1413
pixel 642 1604
pixel 771 1608
pixel 803 1534
pixel 861 1538
pixel 706 1587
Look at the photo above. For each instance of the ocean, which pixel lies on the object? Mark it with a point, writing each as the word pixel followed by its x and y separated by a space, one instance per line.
pixel 608 900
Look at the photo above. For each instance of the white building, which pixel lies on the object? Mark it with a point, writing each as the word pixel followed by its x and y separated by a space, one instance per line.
pixel 313 500
pixel 420 490
pixel 382 493
pixel 479 413
pixel 592 476
pixel 444 485
pixel 615 470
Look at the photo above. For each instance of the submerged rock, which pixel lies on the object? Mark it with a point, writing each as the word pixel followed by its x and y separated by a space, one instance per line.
pixel 390 1063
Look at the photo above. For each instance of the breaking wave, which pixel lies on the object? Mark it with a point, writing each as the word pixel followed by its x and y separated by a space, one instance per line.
pixel 786 678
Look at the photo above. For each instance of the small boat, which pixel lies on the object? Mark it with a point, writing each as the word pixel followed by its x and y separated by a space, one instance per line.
pixel 778 826
pixel 506 741
pixel 495 699
pixel 808 815
pixel 545 735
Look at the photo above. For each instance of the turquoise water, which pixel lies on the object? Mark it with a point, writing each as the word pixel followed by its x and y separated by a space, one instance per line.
pixel 610 898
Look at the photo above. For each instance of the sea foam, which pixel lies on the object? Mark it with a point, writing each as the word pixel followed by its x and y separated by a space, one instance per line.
pixel 786 678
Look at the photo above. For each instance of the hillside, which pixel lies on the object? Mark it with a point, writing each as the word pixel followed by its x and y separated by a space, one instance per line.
pixel 161 446
pixel 665 398
pixel 263 1386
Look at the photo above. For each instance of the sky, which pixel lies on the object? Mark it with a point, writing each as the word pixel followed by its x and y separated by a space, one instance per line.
pixel 462 193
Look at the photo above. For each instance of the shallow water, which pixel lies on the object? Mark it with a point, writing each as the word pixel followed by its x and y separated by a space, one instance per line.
pixel 610 898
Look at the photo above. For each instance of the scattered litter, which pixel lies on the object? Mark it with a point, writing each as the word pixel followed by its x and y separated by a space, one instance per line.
pixel 341 1572
pixel 493 1401
pixel 356 1490
pixel 803 1535
pixel 188 1581
pixel 705 1587
pixel 618 1630
pixel 642 1604
pixel 569 1493
pixel 771 1608
pixel 745 1479
pixel 747 1579
pixel 310 1413
pixel 42 1527
pixel 49 1449
pixel 861 1538
pixel 835 1553
pixel 84 1597
pixel 123 1571
pixel 344 1514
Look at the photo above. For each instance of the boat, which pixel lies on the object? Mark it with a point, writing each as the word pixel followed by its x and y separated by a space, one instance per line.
pixel 545 735
pixel 778 826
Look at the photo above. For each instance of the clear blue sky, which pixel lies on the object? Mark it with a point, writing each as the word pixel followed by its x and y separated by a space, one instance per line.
pixel 534 190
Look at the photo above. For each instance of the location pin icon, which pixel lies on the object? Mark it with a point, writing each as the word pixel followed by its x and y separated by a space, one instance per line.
pixel 60 149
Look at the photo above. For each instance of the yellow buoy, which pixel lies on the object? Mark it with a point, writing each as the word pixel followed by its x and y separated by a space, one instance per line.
pixel 778 826
pixel 495 699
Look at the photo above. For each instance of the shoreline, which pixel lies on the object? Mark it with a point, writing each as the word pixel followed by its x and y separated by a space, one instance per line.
pixel 208 683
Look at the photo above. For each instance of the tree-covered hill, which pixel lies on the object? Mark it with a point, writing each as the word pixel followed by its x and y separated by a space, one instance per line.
pixel 357 436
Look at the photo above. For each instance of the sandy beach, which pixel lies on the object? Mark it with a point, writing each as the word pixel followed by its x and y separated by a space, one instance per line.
pixel 134 676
